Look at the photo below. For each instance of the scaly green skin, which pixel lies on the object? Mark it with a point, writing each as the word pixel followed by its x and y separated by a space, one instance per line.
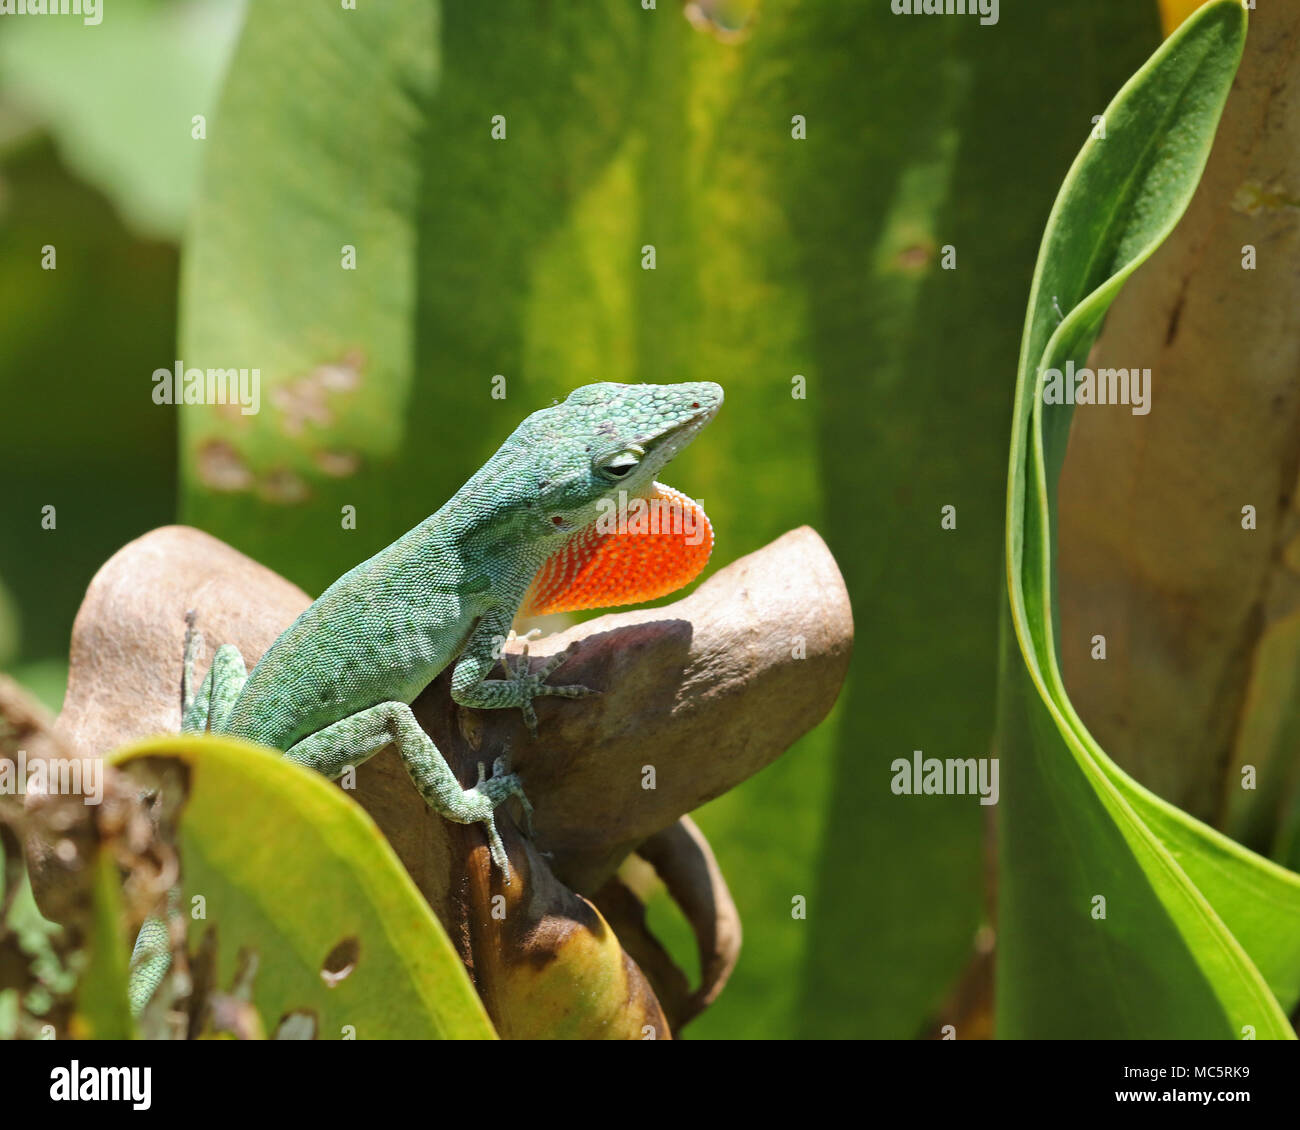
pixel 337 685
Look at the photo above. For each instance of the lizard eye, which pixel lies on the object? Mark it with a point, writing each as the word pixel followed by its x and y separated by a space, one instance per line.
pixel 620 464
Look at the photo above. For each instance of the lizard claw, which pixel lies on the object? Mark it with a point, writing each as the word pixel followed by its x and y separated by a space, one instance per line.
pixel 498 788
pixel 497 848
pixel 555 661
pixel 516 790
pixel 530 716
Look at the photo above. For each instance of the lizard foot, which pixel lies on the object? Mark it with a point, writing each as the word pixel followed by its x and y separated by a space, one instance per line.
pixel 533 685
pixel 501 786
pixel 496 789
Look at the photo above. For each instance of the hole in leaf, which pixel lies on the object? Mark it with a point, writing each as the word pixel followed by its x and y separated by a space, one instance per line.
pixel 301 1024
pixel 340 961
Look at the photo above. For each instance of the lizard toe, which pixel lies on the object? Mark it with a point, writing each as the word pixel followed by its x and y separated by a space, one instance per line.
pixel 571 691
pixel 530 715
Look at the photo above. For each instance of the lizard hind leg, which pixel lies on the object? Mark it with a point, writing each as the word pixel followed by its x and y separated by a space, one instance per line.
pixel 211 705
pixel 354 739
pixel 231 675
pixel 507 784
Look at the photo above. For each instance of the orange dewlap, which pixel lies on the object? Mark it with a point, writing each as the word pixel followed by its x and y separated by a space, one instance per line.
pixel 649 554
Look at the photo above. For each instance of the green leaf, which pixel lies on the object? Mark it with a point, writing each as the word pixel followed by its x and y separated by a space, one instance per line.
pixel 101 1011
pixel 292 870
pixel 1200 936
pixel 119 95
pixel 83 482
pixel 927 140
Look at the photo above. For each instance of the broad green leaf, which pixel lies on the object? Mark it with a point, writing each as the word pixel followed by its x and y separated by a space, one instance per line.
pixel 292 870
pixel 119 91
pixel 77 483
pixel 932 145
pixel 1199 934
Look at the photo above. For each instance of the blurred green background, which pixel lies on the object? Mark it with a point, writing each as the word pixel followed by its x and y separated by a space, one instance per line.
pixel 819 256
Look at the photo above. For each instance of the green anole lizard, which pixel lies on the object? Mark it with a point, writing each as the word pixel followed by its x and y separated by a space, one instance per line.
pixel 542 527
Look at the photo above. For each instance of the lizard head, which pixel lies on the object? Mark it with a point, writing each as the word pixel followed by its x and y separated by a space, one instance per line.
pixel 616 536
pixel 610 438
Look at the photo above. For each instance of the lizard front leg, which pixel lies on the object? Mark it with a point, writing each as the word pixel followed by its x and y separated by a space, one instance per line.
pixel 470 685
pixel 354 739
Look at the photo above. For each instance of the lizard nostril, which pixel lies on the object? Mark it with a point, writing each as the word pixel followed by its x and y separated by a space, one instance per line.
pixel 558 520
pixel 696 404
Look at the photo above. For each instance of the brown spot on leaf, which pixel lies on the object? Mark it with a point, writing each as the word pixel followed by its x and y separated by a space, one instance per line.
pixel 222 468
pixel 915 257
pixel 338 464
pixel 283 486
pixel 728 21
pixel 310 399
